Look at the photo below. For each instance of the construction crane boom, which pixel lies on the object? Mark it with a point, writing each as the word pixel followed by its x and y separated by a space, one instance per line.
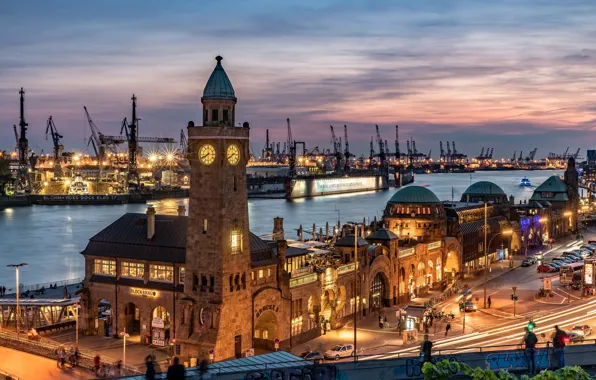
pixel 397 152
pixel 442 152
pixel 380 143
pixel 53 131
pixel 334 141
pixel 482 154
pixel 183 143
pixel 290 139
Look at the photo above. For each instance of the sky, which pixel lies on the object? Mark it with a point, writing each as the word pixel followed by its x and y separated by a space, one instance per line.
pixel 507 74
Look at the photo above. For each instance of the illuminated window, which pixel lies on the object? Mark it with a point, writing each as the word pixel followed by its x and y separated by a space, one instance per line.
pixel 204 226
pixel 268 272
pixel 260 273
pixel 161 273
pixel 136 270
pixel 252 275
pixel 265 334
pixel 107 267
pixel 236 242
pixel 181 275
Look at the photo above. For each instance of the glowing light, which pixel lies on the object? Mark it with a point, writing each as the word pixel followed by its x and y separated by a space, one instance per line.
pixel 67 182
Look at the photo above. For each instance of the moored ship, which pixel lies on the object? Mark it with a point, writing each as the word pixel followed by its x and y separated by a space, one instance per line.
pixel 313 186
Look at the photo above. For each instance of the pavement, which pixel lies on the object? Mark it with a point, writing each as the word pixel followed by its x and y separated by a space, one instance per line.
pixel 48 294
pixel 28 366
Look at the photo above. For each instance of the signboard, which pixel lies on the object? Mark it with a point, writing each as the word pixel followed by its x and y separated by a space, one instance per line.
pixel 79 198
pixel 144 292
pixel 435 245
pixel 323 186
pixel 158 322
pixel 548 283
pixel 274 308
pixel 406 252
pixel 547 194
pixel 589 273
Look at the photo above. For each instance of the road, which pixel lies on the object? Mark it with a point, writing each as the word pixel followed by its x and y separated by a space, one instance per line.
pixel 28 366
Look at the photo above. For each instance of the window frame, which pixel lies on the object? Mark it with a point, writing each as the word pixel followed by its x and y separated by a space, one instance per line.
pixel 157 269
pixel 132 264
pixel 102 263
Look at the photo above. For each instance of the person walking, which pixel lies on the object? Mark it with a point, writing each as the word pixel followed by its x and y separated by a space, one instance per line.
pixel 176 370
pixel 380 321
pixel 426 350
pixel 488 301
pixel 559 338
pixel 447 328
pixel 96 363
pixel 150 372
pixel 530 340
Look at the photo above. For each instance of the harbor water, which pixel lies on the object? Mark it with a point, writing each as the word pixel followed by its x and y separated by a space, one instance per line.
pixel 50 238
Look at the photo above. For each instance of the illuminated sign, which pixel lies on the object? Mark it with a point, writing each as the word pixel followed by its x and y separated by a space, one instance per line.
pixel 436 244
pixel 406 252
pixel 343 184
pixel 589 273
pixel 274 308
pixel 144 292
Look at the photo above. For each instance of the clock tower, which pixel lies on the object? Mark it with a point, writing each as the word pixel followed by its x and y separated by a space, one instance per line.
pixel 216 307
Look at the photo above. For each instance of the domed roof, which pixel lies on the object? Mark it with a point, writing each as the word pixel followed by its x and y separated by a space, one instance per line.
pixel 484 188
pixel 219 86
pixel 414 195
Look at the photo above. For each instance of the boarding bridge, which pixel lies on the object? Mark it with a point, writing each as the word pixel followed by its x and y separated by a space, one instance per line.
pixel 41 314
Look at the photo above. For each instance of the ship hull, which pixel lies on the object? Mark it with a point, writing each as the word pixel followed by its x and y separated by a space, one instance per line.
pixel 319 186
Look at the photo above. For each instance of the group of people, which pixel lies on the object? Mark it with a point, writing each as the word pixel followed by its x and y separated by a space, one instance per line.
pixel 383 323
pixel 559 339
pixel 2 290
pixel 104 370
pixel 72 356
pixel 175 369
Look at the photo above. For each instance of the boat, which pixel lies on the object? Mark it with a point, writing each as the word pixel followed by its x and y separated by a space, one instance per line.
pixel 525 182
pixel 78 187
pixel 317 185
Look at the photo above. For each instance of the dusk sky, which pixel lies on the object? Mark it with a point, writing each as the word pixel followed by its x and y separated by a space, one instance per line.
pixel 512 75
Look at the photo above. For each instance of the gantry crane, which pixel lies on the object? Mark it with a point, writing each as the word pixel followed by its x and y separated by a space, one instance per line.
pixel 23 180
pixel 51 128
pixel 397 152
pixel 380 143
pixel 347 153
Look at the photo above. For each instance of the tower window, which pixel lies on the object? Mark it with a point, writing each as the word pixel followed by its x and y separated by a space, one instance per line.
pixel 206 116
pixel 211 284
pixel 236 242
pixel 205 225
pixel 214 115
pixel 225 115
pixel 235 184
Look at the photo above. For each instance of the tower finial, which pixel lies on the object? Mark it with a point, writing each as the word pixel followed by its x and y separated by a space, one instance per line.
pixel 219 58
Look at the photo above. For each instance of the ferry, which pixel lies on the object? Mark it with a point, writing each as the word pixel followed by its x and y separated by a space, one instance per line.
pixel 313 186
pixel 78 187
pixel 525 182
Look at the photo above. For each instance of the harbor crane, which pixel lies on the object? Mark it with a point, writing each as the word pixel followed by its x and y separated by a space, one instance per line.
pixel 514 155
pixel 442 152
pixel 347 153
pixel 183 143
pixel 531 156
pixel 290 139
pixel 397 152
pixel 22 148
pixel 448 152
pixel 372 153
pixel 51 128
pixel 382 156
pixel 491 153
pixel 336 150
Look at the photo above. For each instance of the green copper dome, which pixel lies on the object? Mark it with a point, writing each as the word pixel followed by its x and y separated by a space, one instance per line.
pixel 414 195
pixel 484 188
pixel 219 86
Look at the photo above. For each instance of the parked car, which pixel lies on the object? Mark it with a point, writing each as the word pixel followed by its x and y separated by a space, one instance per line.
pixel 527 262
pixel 340 351
pixel 545 268
pixel 469 306
pixel 315 356
pixel 585 330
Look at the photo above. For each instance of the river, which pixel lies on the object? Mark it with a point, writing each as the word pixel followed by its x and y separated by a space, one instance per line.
pixel 50 238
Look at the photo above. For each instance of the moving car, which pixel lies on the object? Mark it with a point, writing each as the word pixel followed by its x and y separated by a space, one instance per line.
pixel 545 268
pixel 340 351
pixel 585 330
pixel 315 356
pixel 469 306
pixel 575 337
pixel 528 261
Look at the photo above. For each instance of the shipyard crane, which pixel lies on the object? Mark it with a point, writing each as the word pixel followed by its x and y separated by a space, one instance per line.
pixel 53 131
pixel 514 155
pixel 16 136
pixel 387 152
pixel 336 149
pixel 183 143
pixel 442 152
pixel 448 151
pixel 531 156
pixel 23 147
pixel 347 153
pixel 566 152
pixel 453 147
pixel 372 153
pixel 380 143
pixel 491 153
pixel 520 156
pixel 481 156
pixel 429 155
pixel 576 155
pixel 409 148
pixel 397 152
pixel 290 140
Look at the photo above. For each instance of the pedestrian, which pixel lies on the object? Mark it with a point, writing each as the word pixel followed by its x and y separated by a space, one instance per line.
pixel 96 363
pixel 118 368
pixel 461 306
pixel 150 373
pixel 430 320
pixel 447 328
pixel 488 301
pixel 530 340
pixel 559 339
pixel 62 356
pixel 65 292
pixel 386 322
pixel 380 321
pixel 426 350
pixel 176 370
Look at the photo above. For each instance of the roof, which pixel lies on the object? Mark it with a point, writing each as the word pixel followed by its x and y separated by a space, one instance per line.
pixel 348 241
pixel 219 86
pixel 127 238
pixel 290 251
pixel 484 188
pixel 494 223
pixel 414 195
pixel 553 189
pixel 382 234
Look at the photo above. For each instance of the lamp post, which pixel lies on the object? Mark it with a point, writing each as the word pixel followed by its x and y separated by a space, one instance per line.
pixel 124 335
pixel 504 233
pixel 356 225
pixel 18 315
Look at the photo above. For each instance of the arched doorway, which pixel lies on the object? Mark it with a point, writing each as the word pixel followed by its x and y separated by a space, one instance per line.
pixel 342 295
pixel 378 292
pixel 328 307
pixel 314 310
pixel 451 266
pixel 421 278
pixel 429 274
pixel 132 319
pixel 160 327
pixel 438 271
pixel 104 318
pixel 266 331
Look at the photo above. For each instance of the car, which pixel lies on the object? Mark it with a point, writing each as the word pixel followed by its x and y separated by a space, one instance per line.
pixel 527 262
pixel 340 351
pixel 545 268
pixel 539 256
pixel 585 330
pixel 469 307
pixel 314 356
pixel 575 337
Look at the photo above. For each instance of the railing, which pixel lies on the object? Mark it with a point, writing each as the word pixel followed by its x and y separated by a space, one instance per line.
pixel 303 280
pixel 7 375
pixel 346 269
pixel 72 281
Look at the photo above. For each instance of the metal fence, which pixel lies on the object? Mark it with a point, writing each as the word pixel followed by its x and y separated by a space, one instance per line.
pixel 72 281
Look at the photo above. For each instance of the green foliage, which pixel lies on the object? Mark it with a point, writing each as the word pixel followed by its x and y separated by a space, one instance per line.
pixel 445 369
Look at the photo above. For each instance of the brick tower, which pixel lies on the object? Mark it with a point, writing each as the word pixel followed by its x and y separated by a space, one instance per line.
pixel 216 308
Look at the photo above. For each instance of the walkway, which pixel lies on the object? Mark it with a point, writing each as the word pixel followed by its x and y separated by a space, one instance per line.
pixel 28 366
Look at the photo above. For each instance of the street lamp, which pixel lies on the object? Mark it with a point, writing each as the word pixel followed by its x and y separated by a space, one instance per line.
pixel 124 335
pixel 486 248
pixel 18 316
pixel 356 225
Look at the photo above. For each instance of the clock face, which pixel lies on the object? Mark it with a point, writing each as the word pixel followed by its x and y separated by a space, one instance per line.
pixel 233 154
pixel 207 154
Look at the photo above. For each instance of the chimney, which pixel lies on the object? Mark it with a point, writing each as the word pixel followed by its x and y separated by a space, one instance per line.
pixel 282 246
pixel 278 228
pixel 181 210
pixel 150 222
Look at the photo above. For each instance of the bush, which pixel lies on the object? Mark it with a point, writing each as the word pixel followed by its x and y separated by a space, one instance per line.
pixel 446 369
